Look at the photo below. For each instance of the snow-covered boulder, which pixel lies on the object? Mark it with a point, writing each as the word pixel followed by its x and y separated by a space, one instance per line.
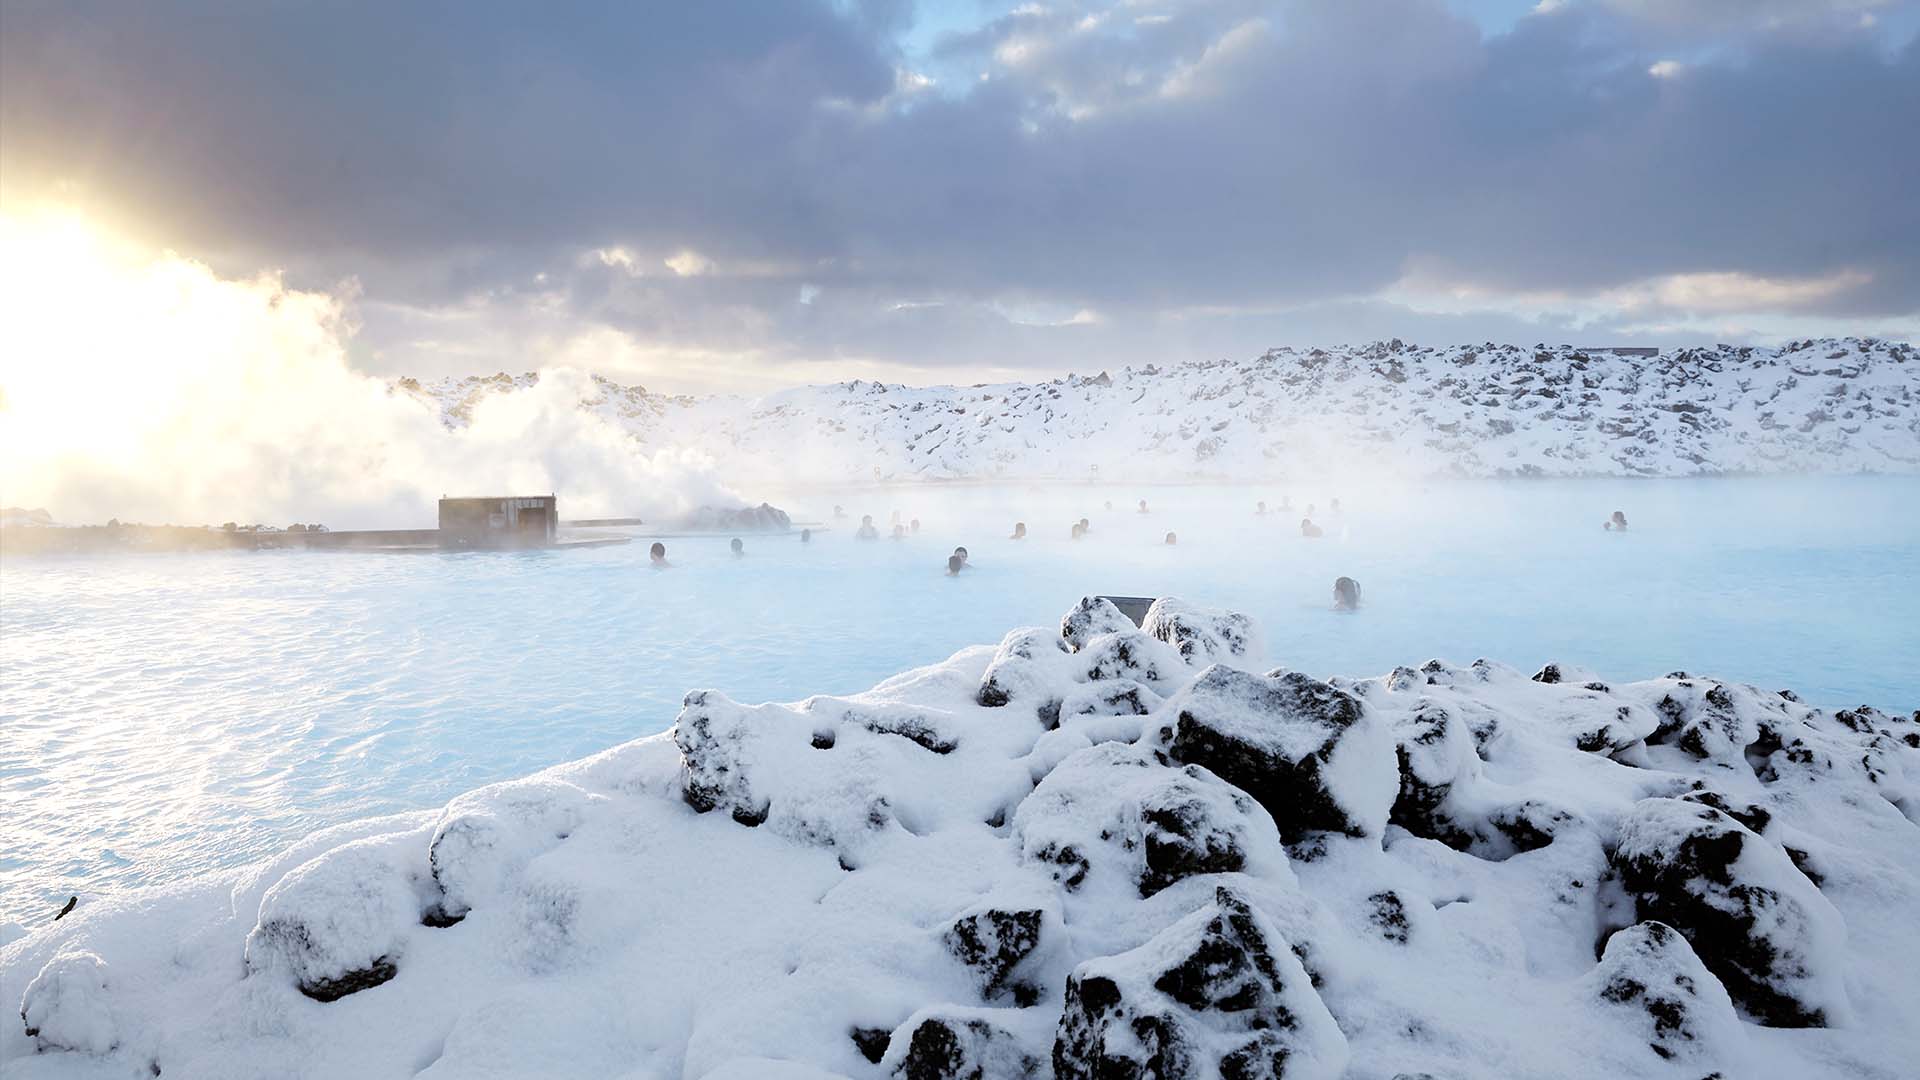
pixel 1136 656
pixel 1030 667
pixel 68 1006
pixel 1216 994
pixel 1436 756
pixel 1750 914
pixel 1711 720
pixel 959 1043
pixel 1089 619
pixel 994 942
pixel 1117 812
pixel 482 841
pixel 1651 975
pixel 1204 635
pixel 1309 752
pixel 338 924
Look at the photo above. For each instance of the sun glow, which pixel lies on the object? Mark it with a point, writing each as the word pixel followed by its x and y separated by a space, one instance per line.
pixel 143 385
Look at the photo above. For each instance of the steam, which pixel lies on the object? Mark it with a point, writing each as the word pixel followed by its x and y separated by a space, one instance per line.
pixel 151 389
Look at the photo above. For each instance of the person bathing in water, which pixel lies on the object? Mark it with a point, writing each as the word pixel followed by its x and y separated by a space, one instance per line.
pixel 739 548
pixel 1616 523
pixel 961 554
pixel 1346 594
pixel 1309 530
pixel 866 531
pixel 1079 530
pixel 657 554
pixel 1260 509
pixel 1143 507
pixel 1019 531
pixel 955 564
pixel 1172 539
pixel 806 536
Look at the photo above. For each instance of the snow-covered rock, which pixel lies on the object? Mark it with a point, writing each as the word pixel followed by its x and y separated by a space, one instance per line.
pixel 1759 924
pixel 1839 405
pixel 1650 972
pixel 1203 635
pixel 1076 854
pixel 1216 994
pixel 1309 752
pixel 67 1006
pixel 338 924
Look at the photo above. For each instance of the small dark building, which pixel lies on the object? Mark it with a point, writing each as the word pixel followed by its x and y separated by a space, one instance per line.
pixel 495 521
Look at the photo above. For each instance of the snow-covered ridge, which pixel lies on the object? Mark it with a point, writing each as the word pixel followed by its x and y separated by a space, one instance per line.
pixel 1829 405
pixel 1093 851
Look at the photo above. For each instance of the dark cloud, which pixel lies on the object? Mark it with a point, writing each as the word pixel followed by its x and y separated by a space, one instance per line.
pixel 1141 163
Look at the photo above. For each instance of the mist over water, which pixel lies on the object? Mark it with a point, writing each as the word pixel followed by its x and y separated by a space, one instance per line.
pixel 166 715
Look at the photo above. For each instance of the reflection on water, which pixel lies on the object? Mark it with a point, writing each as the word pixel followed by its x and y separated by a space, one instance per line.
pixel 163 715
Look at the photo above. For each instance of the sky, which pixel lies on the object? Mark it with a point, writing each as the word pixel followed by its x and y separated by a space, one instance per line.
pixel 740 196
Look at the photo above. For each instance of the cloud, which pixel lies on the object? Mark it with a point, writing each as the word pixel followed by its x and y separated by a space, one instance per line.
pixel 679 176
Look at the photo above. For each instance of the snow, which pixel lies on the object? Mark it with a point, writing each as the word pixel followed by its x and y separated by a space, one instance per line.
pixel 916 881
pixel 1833 405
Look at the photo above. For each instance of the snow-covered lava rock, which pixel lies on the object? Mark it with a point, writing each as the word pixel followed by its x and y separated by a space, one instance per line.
pixel 1093 851
pixel 1826 405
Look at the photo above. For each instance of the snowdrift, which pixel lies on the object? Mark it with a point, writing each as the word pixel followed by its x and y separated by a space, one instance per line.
pixel 1098 850
pixel 1832 405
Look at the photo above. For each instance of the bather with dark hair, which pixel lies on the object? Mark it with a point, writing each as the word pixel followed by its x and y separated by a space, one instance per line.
pixel 1309 530
pixel 657 554
pixel 1172 539
pixel 1616 523
pixel 1346 594
pixel 739 548
pixel 1019 531
pixel 866 531
pixel 961 554
pixel 955 564
pixel 806 536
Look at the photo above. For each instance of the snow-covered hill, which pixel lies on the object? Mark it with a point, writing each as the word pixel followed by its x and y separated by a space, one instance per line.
pixel 1097 851
pixel 1838 405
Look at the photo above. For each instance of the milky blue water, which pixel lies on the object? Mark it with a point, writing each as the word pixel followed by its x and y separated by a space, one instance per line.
pixel 163 715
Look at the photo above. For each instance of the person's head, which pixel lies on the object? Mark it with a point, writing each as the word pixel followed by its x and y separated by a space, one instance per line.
pixel 1143 505
pixel 658 552
pixel 960 553
pixel 738 547
pixel 1079 530
pixel 1619 518
pixel 1019 529
pixel 1306 526
pixel 1346 593
pixel 899 530
pixel 806 536
pixel 1172 539
pixel 1260 507
pixel 866 519
pixel 954 563
pixel 1085 524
